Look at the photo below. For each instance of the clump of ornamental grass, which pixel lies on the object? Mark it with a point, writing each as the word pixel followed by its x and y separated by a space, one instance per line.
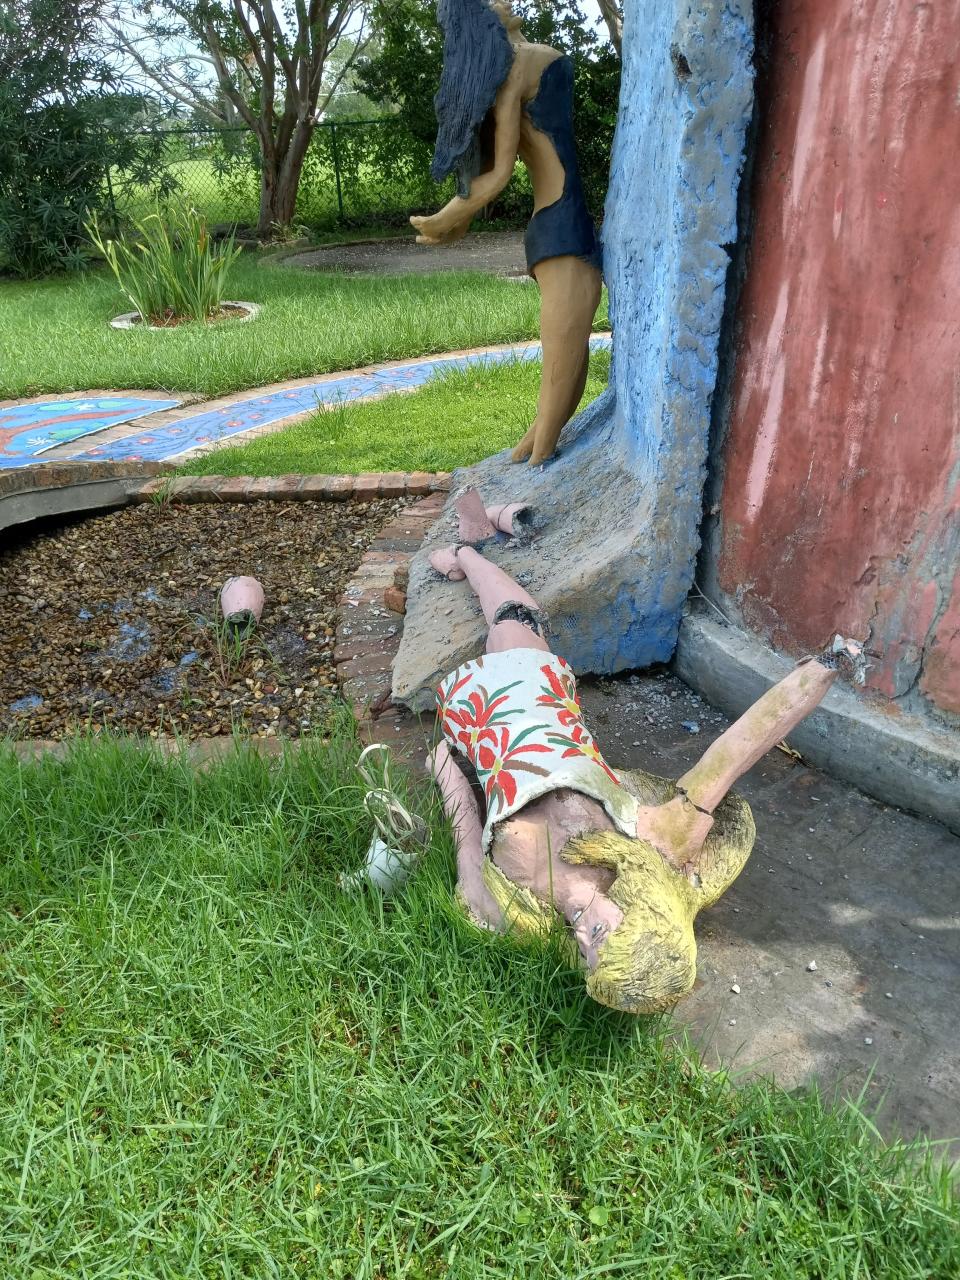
pixel 168 266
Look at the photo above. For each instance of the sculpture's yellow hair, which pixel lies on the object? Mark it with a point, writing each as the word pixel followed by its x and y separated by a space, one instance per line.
pixel 650 960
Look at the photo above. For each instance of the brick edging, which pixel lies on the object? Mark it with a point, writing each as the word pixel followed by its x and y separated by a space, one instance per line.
pixel 369 628
pixel 293 488
pixel 64 474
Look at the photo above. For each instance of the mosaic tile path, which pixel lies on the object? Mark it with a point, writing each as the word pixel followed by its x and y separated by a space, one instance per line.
pixel 166 440
pixel 31 429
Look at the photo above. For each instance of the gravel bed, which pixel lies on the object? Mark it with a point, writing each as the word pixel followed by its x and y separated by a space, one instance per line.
pixel 113 621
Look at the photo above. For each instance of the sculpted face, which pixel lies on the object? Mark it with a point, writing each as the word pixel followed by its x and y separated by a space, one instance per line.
pixel 504 11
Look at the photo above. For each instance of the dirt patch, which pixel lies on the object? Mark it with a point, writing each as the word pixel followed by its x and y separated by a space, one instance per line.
pixel 114 621
pixel 498 253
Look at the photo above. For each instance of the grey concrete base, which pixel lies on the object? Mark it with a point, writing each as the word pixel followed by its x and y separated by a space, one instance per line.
pixel 73 499
pixel 896 757
pixel 586 573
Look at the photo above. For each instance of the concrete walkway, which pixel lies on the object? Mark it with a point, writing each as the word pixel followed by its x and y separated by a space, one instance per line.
pixel 498 253
pixel 868 893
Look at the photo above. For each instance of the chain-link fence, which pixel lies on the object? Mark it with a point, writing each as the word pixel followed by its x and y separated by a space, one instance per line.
pixel 357 173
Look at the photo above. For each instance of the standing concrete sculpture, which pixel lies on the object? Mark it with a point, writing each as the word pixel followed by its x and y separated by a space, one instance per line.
pixel 502 97
pixel 618 511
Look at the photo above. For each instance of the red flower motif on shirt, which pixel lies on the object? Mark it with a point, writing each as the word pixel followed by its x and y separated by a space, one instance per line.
pixel 500 761
pixel 579 743
pixel 474 719
pixel 560 694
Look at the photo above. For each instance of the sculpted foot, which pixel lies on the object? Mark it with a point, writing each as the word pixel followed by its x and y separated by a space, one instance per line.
pixel 543 449
pixel 524 449
pixel 445 563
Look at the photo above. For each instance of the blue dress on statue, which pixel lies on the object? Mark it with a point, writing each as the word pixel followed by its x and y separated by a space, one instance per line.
pixel 564 227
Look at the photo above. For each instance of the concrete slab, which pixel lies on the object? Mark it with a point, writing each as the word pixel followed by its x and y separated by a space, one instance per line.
pixel 869 893
pixel 492 252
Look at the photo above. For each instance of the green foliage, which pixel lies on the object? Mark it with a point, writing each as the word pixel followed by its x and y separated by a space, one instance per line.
pixel 383 172
pixel 406 67
pixel 169 268
pixel 54 334
pixel 62 128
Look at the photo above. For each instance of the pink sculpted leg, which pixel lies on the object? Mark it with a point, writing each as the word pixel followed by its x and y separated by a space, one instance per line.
pixel 493 589
pixel 475 523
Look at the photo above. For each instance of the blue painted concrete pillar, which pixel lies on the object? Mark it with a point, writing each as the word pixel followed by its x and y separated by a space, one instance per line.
pixel 618 511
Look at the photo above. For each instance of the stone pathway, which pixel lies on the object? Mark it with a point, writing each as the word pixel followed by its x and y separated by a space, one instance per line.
pixel 194 430
pixel 498 253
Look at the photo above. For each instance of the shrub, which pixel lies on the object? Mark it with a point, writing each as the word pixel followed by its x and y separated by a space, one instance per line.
pixel 62 129
pixel 170 269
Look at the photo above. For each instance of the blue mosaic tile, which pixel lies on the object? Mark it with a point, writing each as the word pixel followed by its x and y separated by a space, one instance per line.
pixel 211 426
pixel 29 430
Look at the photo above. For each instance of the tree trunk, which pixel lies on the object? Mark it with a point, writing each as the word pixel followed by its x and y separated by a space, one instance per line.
pixel 280 181
pixel 612 11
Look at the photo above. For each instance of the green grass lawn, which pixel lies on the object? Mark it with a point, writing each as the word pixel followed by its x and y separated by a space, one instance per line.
pixel 458 419
pixel 54 334
pixel 215 1065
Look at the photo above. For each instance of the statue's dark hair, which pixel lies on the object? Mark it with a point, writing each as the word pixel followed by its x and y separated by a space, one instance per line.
pixel 477 56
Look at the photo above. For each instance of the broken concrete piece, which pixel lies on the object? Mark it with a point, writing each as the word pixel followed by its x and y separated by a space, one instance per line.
pixel 241 603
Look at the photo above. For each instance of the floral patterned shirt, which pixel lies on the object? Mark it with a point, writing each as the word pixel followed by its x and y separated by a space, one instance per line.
pixel 516 716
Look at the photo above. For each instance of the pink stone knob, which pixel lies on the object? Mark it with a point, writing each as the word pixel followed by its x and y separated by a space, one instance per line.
pixel 241 602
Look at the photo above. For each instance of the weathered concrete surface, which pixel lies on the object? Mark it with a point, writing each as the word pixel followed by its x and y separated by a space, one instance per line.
pixel 840 507
pixel 619 509
pixel 899 758
pixel 869 893
pixel 64 489
pixel 498 253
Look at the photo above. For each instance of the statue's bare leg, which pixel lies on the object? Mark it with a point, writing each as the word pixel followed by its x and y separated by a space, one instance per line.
pixel 496 591
pixel 569 297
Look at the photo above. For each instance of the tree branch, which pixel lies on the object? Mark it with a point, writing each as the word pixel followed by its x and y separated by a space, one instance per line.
pixel 613 16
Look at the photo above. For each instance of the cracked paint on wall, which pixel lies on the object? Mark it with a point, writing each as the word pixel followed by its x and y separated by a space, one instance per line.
pixel 840 507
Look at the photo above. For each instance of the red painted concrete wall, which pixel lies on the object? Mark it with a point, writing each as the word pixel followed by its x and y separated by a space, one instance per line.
pixel 840 508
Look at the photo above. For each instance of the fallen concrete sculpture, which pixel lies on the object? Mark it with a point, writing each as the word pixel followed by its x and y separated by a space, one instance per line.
pixel 624 860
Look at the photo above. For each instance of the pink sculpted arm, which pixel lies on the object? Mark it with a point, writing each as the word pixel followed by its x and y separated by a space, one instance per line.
pixel 460 807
